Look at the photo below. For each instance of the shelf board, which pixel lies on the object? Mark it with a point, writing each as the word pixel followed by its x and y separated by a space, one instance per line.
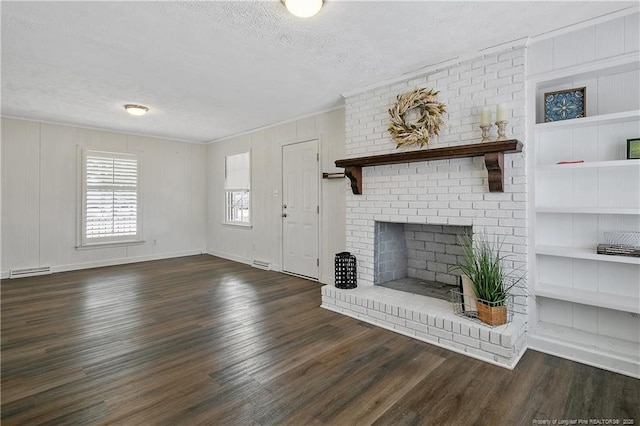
pixel 587 254
pixel 602 67
pixel 617 117
pixel 600 351
pixel 588 297
pixel 588 210
pixel 493 153
pixel 589 165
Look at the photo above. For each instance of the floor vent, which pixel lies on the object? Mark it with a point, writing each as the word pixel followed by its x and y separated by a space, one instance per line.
pixel 29 272
pixel 261 264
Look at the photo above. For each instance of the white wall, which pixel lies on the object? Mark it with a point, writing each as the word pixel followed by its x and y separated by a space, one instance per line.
pixel 605 41
pixel 40 196
pixel 263 241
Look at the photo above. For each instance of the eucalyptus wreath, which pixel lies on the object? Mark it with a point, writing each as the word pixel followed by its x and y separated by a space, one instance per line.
pixel 427 125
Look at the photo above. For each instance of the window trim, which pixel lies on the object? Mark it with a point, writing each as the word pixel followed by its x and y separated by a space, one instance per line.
pixel 227 207
pixel 82 243
pixel 225 191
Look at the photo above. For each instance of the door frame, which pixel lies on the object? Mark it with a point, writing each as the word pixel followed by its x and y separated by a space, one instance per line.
pixel 318 140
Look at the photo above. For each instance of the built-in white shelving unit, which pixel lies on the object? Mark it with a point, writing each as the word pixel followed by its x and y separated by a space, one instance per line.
pixel 585 305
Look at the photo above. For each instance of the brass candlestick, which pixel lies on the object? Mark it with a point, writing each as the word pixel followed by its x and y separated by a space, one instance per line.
pixel 485 131
pixel 502 130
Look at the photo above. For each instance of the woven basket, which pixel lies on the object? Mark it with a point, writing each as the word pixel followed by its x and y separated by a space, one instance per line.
pixel 492 315
pixel 631 239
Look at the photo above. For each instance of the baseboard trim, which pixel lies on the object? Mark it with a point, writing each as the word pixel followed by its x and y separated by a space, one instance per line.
pixel 582 355
pixel 114 262
pixel 233 257
pixel 276 267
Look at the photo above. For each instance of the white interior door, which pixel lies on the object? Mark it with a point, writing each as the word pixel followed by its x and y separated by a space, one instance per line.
pixel 300 209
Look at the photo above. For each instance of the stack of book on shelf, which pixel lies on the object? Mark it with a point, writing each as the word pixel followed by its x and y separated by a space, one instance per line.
pixel 621 244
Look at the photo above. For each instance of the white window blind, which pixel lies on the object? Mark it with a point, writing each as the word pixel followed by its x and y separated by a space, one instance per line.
pixel 237 172
pixel 237 184
pixel 110 198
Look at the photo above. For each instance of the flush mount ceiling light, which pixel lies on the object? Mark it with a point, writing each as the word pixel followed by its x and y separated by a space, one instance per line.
pixel 134 109
pixel 303 8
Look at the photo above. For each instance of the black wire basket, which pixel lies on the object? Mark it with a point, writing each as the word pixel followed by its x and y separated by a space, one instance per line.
pixel 346 273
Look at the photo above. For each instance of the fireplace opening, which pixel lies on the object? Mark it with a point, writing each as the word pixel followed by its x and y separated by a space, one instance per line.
pixel 418 258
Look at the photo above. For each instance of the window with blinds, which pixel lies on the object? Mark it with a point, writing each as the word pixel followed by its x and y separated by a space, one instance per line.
pixel 237 184
pixel 110 203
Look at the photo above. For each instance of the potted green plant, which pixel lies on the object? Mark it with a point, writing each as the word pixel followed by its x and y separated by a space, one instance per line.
pixel 482 263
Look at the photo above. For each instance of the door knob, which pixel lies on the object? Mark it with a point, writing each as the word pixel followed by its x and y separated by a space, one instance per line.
pixel 284 215
pixel 284 206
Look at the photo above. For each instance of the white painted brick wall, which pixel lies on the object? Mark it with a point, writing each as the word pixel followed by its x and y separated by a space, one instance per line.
pixel 451 192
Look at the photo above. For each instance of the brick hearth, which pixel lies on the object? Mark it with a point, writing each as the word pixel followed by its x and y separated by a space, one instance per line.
pixel 430 320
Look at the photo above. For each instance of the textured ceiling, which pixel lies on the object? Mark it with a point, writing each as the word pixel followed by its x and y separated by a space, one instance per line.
pixel 211 69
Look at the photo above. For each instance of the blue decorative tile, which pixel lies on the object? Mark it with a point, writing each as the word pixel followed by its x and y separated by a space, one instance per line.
pixel 564 104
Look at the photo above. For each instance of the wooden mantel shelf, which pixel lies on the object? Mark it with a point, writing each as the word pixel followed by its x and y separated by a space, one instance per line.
pixel 493 153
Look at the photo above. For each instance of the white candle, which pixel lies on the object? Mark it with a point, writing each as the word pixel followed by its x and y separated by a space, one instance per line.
pixel 485 117
pixel 501 112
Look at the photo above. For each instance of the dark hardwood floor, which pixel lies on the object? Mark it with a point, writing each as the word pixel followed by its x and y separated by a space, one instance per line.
pixel 202 340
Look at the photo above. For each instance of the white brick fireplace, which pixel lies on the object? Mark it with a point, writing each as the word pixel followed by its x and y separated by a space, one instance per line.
pixel 438 192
